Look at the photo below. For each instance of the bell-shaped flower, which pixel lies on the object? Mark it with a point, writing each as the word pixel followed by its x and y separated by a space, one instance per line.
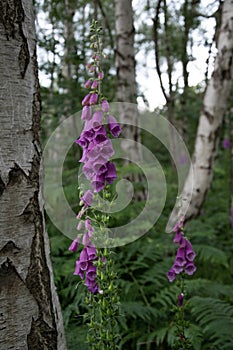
pixel 100 135
pixel 87 84
pixel 190 268
pixel 101 75
pixel 91 273
pixel 177 268
pixel 105 106
pixel 74 245
pixel 113 126
pixel 86 100
pixel 78 270
pixel 110 175
pixel 91 252
pixel 178 237
pixel 86 113
pixel 88 226
pixel 87 198
pixel 88 170
pixel 82 141
pixel 180 257
pixel 171 275
pixel 86 239
pixel 98 183
pixel 97 120
pixel 94 84
pixel 91 286
pixel 93 99
pixel 106 149
pixel 190 254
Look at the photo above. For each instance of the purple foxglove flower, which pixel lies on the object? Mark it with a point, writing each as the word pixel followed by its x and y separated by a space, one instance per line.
pixel 105 106
pixel 226 143
pixel 100 135
pixel 86 113
pixel 95 84
pixel 88 135
pixel 94 99
pixel 110 175
pixel 86 100
pixel 86 239
pixel 97 120
pixel 74 245
pixel 180 299
pixel 87 84
pixel 100 169
pixel 92 286
pixel 180 257
pixel 98 183
pixel 101 75
pixel 82 141
pixel 106 149
pixel 183 242
pixel 179 225
pixel 177 268
pixel 91 69
pixel 190 268
pixel 113 126
pixel 80 214
pixel 79 226
pixel 88 226
pixel 91 252
pixel 171 275
pixel 87 198
pixel 178 237
pixel 91 273
pixel 88 170
pixel 78 270
pixel 83 159
pixel 190 254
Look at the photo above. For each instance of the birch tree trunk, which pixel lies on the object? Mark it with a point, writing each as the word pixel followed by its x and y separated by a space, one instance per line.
pixel 211 117
pixel 30 316
pixel 126 76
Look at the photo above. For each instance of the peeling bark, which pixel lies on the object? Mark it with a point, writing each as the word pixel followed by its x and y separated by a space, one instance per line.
pixel 30 316
pixel 211 117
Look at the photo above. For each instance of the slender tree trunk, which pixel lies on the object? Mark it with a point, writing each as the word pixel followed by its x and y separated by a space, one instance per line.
pixel 30 316
pixel 211 117
pixel 126 76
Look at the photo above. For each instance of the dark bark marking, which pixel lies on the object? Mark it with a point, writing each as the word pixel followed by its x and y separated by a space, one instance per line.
pixel 12 17
pixel 9 247
pixel 16 175
pixel 39 276
pixel 2 186
pixel 209 116
pixel 45 340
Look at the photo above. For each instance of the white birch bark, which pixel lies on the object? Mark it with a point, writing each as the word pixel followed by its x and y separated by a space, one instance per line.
pixel 126 76
pixel 30 316
pixel 211 117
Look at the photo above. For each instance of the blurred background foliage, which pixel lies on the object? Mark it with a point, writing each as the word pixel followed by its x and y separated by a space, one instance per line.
pixel 146 319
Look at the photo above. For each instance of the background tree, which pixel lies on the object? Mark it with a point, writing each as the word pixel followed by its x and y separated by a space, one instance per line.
pixel 30 312
pixel 214 106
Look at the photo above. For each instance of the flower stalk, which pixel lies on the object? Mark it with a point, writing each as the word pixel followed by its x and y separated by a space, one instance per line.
pixel 95 265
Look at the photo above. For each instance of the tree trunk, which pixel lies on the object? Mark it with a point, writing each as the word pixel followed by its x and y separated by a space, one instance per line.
pixel 127 90
pixel 30 315
pixel 126 77
pixel 211 117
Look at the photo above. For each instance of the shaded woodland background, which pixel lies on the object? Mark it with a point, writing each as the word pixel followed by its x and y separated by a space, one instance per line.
pixel 147 297
pixel 170 32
